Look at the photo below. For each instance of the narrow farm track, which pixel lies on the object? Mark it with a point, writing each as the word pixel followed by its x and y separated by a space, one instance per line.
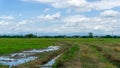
pixel 69 59
pixel 74 62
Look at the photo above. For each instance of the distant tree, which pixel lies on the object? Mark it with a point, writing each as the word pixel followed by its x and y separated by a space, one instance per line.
pixel 108 36
pixel 115 36
pixel 84 36
pixel 90 35
pixel 75 36
pixel 30 36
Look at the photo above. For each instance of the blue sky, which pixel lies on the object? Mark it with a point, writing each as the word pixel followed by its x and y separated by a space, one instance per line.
pixel 59 17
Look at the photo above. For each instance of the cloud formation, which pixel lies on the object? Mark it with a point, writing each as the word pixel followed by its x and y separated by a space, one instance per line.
pixel 7 17
pixel 66 17
pixel 105 23
pixel 49 17
pixel 80 5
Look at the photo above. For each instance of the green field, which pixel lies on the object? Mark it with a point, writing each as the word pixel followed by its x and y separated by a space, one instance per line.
pixel 84 52
pixel 11 45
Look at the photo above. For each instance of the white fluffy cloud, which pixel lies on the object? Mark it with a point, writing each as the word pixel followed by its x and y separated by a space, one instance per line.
pixel 49 17
pixel 75 24
pixel 3 22
pixel 7 17
pixel 80 5
pixel 104 23
pixel 106 4
pixel 69 17
pixel 46 9
pixel 110 13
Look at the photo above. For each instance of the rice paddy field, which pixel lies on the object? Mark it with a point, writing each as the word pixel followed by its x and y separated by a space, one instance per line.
pixel 75 52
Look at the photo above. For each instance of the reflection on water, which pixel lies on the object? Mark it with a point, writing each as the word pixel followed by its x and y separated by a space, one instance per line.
pixel 50 63
pixel 23 57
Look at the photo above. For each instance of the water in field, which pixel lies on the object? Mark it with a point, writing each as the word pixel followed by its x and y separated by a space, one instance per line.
pixel 23 57
pixel 50 63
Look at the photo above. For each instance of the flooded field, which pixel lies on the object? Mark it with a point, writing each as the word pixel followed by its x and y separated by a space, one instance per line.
pixel 24 57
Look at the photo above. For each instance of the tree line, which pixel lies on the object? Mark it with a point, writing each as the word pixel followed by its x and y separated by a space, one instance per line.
pixel 90 35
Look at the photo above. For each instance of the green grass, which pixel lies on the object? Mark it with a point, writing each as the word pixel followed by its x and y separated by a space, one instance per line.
pixel 88 52
pixel 11 45
pixel 70 53
pixel 91 58
pixel 111 52
pixel 66 56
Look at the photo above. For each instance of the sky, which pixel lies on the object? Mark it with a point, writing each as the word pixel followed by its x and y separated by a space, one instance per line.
pixel 59 17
